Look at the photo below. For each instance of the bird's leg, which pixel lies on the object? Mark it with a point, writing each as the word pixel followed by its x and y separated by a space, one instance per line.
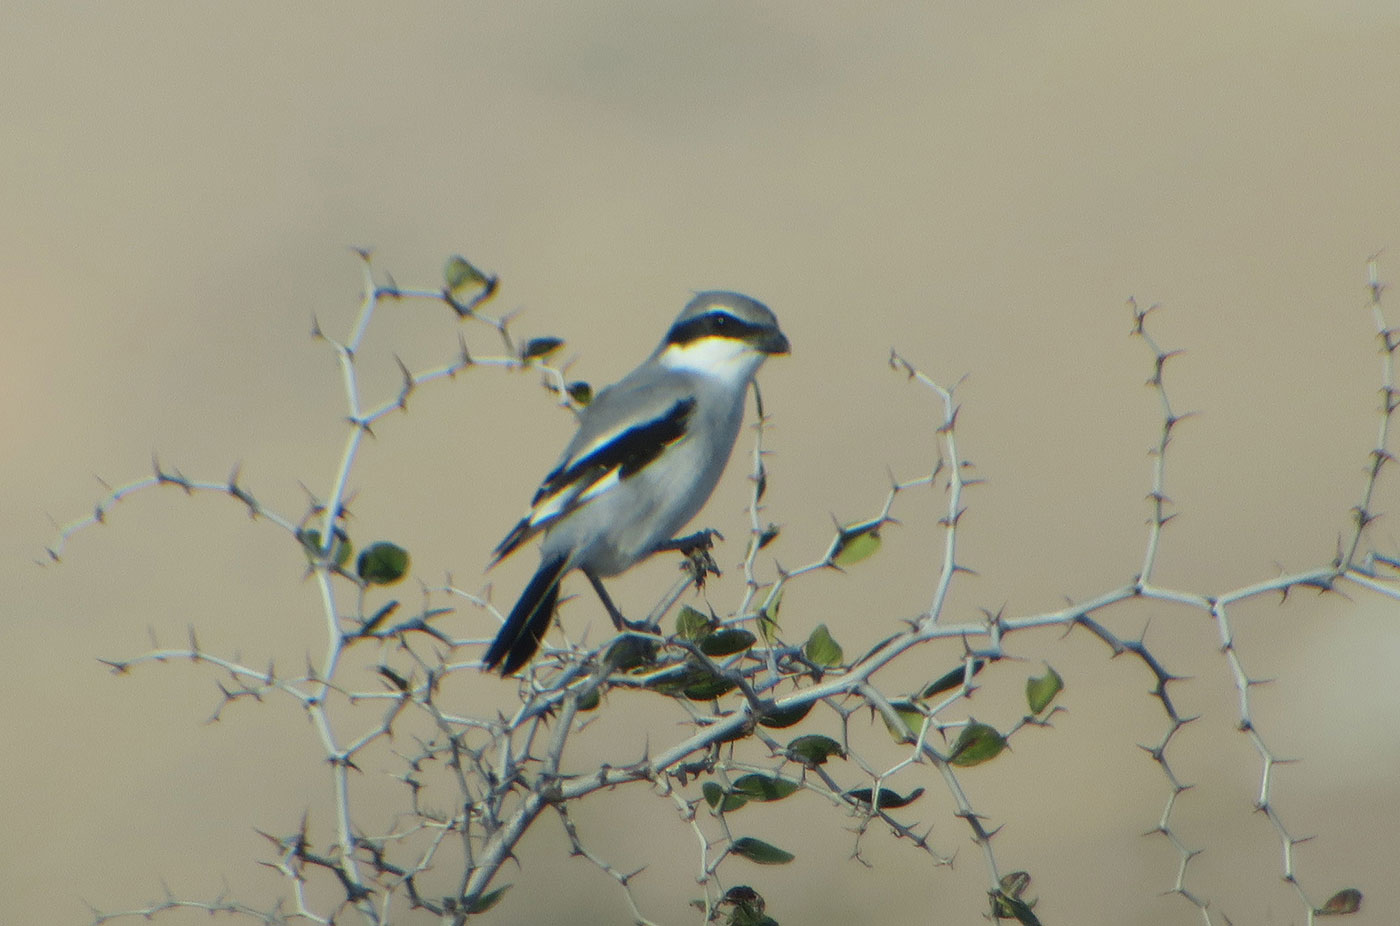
pixel 702 539
pixel 696 549
pixel 620 622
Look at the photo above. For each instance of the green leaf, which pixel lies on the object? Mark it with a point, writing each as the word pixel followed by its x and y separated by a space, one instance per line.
pixel 629 652
pixel 814 749
pixel 720 799
pixel 485 901
pixel 458 273
pixel 756 850
pixel 696 682
pixel 822 649
pixel 341 547
pixel 911 717
pixel 1014 884
pixel 1010 908
pixel 744 907
pixel 951 680
pixel 780 717
pixel 727 642
pixel 1041 690
pixel 768 618
pixel 745 919
pixel 977 743
pixel 708 689
pixel 382 563
pixel 1341 903
pixel 768 535
pixel 1007 903
pixel 536 348
pixel 691 624
pixel 855 542
pixel 888 799
pixel 580 392
pixel 590 700
pixel 764 787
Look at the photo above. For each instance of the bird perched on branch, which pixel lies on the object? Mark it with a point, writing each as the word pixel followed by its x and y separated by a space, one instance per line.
pixel 647 455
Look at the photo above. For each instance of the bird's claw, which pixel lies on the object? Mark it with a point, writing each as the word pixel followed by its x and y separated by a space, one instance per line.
pixel 700 541
pixel 698 561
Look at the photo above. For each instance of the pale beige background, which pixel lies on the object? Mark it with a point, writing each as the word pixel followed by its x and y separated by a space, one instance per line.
pixel 980 184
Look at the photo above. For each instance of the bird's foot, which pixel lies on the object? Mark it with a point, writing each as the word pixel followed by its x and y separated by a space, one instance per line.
pixel 621 623
pixel 696 550
pixel 700 540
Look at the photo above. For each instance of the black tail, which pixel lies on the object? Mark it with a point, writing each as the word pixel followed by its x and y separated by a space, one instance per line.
pixel 521 633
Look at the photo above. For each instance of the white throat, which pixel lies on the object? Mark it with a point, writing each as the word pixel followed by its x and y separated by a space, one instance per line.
pixel 723 358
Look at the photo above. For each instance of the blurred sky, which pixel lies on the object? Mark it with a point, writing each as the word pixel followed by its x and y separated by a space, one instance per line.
pixel 980 185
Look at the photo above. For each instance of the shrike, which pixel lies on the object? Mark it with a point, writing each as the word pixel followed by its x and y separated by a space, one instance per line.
pixel 647 455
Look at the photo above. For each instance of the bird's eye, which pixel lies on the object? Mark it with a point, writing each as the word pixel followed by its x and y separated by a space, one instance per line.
pixel 721 322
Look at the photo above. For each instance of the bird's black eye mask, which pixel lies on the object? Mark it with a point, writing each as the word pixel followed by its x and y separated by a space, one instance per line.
pixel 713 324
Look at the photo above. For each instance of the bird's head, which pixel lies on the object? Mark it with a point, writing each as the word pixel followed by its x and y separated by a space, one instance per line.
pixel 721 333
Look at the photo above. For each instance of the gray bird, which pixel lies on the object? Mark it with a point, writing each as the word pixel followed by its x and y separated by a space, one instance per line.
pixel 647 455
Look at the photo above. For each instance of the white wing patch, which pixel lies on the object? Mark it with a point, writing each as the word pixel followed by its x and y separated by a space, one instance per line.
pixel 598 467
